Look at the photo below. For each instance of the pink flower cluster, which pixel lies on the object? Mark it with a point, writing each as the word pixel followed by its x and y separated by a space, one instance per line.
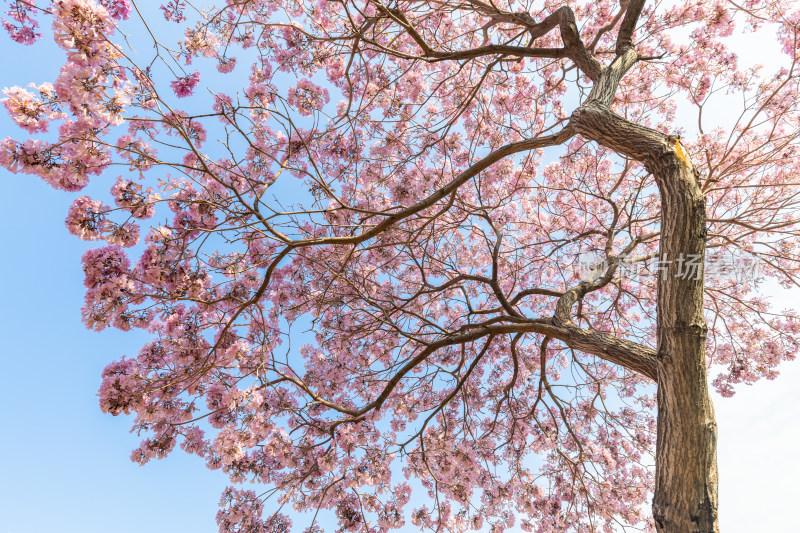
pixel 183 126
pixel 307 97
pixel 87 218
pixel 132 197
pixel 226 64
pixel 200 41
pixel 30 112
pixel 23 27
pixel 173 11
pixel 90 85
pixel 119 387
pixel 183 87
pixel 83 26
pixel 109 287
pixel 118 9
pixel 241 511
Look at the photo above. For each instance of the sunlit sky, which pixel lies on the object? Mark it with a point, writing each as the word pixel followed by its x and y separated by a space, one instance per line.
pixel 66 466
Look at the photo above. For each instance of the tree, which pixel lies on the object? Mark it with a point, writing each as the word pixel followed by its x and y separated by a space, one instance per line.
pixel 477 217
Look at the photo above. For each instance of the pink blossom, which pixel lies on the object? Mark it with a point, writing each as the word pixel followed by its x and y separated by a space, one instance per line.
pixel 119 384
pixel 226 64
pixel 23 27
pixel 223 104
pixel 184 87
pixel 307 97
pixel 86 218
pixel 118 9
pixel 173 11
pixel 200 42
pixel 131 196
pixel 125 235
pixel 29 112
pixel 104 265
pixel 82 25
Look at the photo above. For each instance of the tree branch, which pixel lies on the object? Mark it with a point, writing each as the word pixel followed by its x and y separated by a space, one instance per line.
pixel 626 29
pixel 628 354
pixel 563 18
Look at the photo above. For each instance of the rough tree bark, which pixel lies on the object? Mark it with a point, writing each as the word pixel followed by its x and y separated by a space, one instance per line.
pixel 686 459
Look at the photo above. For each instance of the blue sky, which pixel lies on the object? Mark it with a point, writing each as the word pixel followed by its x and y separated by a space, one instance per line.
pixel 66 466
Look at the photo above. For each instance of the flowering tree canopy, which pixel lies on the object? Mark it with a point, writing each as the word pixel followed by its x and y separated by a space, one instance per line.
pixel 410 191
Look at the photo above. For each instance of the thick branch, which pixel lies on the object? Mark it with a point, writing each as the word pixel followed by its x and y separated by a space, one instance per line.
pixel 434 56
pixel 625 35
pixel 563 18
pixel 598 123
pixel 633 356
pixel 605 87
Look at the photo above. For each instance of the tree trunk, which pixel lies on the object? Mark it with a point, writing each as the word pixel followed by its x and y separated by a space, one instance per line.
pixel 685 498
